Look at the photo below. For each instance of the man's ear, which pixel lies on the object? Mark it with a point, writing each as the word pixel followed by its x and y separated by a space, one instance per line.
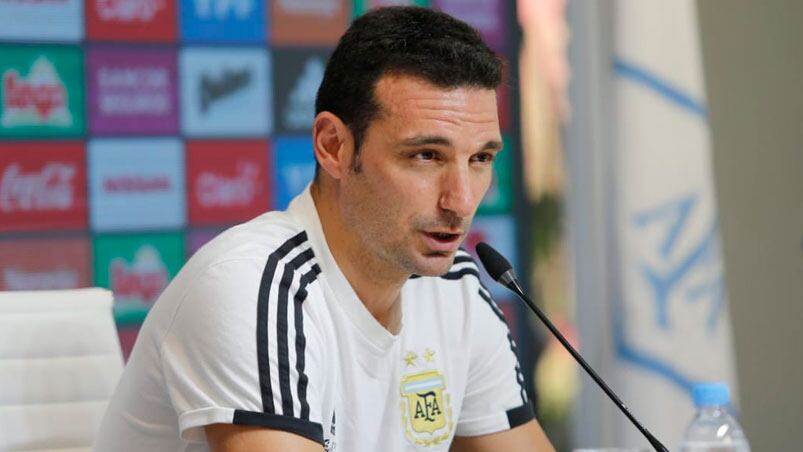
pixel 332 143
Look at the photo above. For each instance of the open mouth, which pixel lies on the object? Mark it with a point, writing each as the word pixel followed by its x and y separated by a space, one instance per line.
pixel 443 236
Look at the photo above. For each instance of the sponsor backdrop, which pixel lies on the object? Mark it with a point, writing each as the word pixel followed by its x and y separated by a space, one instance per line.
pixel 134 131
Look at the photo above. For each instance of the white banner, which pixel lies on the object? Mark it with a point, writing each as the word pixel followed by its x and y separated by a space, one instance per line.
pixel 671 326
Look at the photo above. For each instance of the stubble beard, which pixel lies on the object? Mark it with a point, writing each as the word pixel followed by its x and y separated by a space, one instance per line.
pixel 402 256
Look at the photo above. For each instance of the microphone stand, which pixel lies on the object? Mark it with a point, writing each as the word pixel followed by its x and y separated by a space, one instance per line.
pixel 514 286
pixel 500 270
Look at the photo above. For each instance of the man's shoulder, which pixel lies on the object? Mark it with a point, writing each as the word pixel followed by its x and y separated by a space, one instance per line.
pixel 245 258
pixel 255 240
pixel 245 269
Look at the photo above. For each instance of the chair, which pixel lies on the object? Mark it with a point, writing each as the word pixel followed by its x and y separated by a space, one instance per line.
pixel 60 361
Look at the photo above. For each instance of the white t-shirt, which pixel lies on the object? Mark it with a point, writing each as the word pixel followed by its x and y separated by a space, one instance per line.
pixel 260 327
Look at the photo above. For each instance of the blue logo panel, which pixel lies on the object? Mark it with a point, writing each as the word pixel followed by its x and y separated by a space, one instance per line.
pixel 294 164
pixel 223 21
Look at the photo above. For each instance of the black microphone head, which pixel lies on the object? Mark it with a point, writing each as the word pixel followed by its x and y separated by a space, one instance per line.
pixel 495 264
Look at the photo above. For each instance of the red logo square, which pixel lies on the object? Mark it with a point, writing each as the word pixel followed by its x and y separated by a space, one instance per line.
pixel 131 20
pixel 42 186
pixel 227 181
pixel 44 264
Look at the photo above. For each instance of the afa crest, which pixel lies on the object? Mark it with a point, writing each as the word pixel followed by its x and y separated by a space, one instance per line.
pixel 426 408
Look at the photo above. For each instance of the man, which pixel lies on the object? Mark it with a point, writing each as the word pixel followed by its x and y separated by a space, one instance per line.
pixel 352 321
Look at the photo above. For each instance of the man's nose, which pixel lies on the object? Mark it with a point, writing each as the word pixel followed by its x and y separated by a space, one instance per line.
pixel 456 193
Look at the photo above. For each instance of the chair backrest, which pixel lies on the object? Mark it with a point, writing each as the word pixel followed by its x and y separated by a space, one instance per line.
pixel 60 361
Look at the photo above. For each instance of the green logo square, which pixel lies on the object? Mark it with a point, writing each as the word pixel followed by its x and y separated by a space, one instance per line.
pixel 136 268
pixel 41 91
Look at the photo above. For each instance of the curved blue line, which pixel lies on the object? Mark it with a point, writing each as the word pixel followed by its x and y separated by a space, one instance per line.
pixel 628 353
pixel 644 78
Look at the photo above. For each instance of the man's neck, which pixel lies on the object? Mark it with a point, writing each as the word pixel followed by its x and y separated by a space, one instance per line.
pixel 379 291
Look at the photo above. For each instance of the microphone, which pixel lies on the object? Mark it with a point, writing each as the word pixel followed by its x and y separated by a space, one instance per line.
pixel 502 272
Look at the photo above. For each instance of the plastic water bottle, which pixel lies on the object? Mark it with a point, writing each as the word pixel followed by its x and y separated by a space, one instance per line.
pixel 713 429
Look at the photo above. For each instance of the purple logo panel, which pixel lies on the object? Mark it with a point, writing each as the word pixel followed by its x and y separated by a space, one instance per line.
pixel 487 16
pixel 132 91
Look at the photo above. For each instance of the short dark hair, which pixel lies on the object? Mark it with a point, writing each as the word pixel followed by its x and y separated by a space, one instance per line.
pixel 404 40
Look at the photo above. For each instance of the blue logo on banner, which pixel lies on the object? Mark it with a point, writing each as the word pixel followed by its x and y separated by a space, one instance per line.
pixel 223 20
pixel 674 267
pixel 687 274
pixel 294 164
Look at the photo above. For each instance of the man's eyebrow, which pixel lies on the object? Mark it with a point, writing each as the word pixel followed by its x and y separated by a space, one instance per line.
pixel 493 145
pixel 425 140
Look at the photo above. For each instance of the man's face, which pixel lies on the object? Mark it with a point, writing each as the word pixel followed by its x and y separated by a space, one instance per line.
pixel 424 167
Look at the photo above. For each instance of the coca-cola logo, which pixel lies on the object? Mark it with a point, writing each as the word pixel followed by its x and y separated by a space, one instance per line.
pixel 136 184
pixel 50 188
pixel 141 280
pixel 129 10
pixel 214 190
pixel 41 98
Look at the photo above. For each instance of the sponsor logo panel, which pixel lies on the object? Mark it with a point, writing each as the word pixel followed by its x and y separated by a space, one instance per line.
pixel 227 181
pixel 309 22
pixel 136 268
pixel 487 16
pixel 131 20
pixel 294 166
pixel 136 184
pixel 225 92
pixel 42 20
pixel 41 91
pixel 42 186
pixel 223 20
pixel 132 91
pixel 500 232
pixel 499 198
pixel 29 264
pixel 297 74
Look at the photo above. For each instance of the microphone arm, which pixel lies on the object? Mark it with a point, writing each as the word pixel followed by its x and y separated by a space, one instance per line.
pixel 501 270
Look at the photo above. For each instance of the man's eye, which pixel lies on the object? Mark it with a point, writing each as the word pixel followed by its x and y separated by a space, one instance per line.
pixel 425 155
pixel 485 157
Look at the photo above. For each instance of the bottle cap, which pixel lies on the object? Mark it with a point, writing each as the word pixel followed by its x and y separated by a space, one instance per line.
pixel 710 394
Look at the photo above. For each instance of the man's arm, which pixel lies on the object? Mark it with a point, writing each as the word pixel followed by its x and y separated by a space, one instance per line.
pixel 238 438
pixel 528 437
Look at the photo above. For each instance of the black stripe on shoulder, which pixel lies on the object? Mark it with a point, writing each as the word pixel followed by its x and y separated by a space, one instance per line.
pixel 282 339
pixel 268 274
pixel 459 274
pixel 494 307
pixel 501 316
pixel 301 340
pixel 520 415
pixel 461 258
pixel 305 428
